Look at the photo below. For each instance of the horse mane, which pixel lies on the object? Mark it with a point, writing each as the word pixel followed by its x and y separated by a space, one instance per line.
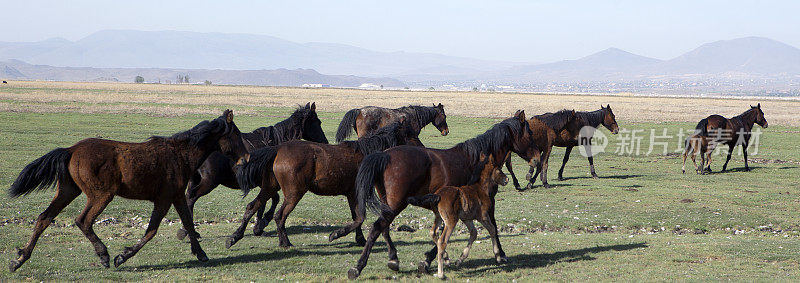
pixel 592 118
pixel 422 114
pixel 386 137
pixel 198 133
pixel 490 141
pixel 289 129
pixel 751 111
pixel 556 120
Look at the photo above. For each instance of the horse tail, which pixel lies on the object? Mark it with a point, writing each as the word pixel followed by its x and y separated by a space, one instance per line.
pixel 702 128
pixel 42 173
pixel 348 123
pixel 429 200
pixel 249 175
pixel 370 173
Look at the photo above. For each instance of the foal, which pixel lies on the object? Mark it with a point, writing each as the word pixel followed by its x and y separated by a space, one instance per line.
pixel 466 203
pixel 697 144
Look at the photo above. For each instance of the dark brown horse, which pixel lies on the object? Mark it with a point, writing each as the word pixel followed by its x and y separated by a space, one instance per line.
pixel 217 169
pixel 156 170
pixel 593 119
pixel 466 203
pixel 368 119
pixel 546 130
pixel 297 167
pixel 406 171
pixel 732 132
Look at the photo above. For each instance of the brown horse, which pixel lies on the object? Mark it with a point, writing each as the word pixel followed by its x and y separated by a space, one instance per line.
pixel 368 119
pixel 466 203
pixel 732 132
pixel 156 170
pixel 405 171
pixel 217 169
pixel 546 130
pixel 697 144
pixel 297 167
pixel 592 119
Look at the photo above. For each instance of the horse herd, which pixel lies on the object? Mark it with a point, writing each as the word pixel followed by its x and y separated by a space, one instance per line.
pixel 385 169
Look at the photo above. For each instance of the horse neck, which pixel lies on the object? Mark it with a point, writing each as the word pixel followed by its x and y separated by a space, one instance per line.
pixel 422 115
pixel 593 118
pixel 748 118
pixel 285 131
pixel 192 156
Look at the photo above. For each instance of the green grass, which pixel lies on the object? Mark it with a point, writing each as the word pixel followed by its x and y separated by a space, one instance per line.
pixel 634 223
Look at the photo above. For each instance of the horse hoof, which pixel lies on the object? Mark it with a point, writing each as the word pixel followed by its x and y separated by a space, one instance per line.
pixel 422 267
pixel 353 273
pixel 286 246
pixel 201 256
pixel 528 176
pixel 595 177
pixel 394 265
pixel 104 261
pixel 529 186
pixel 119 260
pixel 361 242
pixel 230 242
pixel 14 265
pixel 546 186
pixel 457 263
pixel 441 276
pixel 502 259
pixel 181 234
pixel 561 178
pixel 258 232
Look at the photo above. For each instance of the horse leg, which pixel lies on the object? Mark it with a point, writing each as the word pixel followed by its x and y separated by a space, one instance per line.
pixel 289 203
pixel 564 163
pixel 683 168
pixel 543 168
pixel 513 176
pixel 591 161
pixel 64 196
pixel 198 187
pixel 744 151
pixel 499 254
pixel 422 266
pixel 188 223
pixel 358 218
pixel 394 262
pixel 473 235
pixel 381 224
pixel 532 179
pixel 160 209
pixel 449 225
pixel 248 214
pixel 94 206
pixel 730 151
pixel 261 221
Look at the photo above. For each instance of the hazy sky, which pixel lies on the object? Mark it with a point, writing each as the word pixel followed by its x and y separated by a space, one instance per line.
pixel 522 31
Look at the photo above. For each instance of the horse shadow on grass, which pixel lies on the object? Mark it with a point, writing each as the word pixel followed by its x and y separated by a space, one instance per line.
pixel 480 266
pixel 617 177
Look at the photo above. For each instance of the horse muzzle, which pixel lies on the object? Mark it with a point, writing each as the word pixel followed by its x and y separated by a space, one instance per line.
pixel 445 132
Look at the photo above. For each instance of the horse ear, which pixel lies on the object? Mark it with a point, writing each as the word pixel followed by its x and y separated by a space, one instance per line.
pixel 440 105
pixel 520 115
pixel 313 106
pixel 759 105
pixel 228 115
pixel 608 106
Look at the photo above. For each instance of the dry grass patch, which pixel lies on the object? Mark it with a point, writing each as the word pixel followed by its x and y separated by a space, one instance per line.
pixel 470 104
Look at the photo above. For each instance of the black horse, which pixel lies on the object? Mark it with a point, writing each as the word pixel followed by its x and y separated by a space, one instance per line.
pixel 217 169
pixel 604 116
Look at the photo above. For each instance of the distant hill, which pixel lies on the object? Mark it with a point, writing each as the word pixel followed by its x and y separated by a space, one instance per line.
pixel 754 55
pixel 194 50
pixel 15 69
pixel 607 64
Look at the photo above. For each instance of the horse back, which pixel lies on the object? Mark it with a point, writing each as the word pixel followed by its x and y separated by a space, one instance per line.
pixel 322 168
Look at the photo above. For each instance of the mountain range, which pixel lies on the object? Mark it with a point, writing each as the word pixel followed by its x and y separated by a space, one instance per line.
pixel 128 52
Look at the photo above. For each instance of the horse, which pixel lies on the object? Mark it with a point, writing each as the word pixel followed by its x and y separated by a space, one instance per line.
pixel 546 129
pixel 592 119
pixel 404 171
pixel 217 169
pixel 697 144
pixel 368 119
pixel 156 170
pixel 466 203
pixel 297 167
pixel 734 131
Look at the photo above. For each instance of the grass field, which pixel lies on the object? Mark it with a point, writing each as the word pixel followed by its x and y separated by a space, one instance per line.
pixel 642 220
